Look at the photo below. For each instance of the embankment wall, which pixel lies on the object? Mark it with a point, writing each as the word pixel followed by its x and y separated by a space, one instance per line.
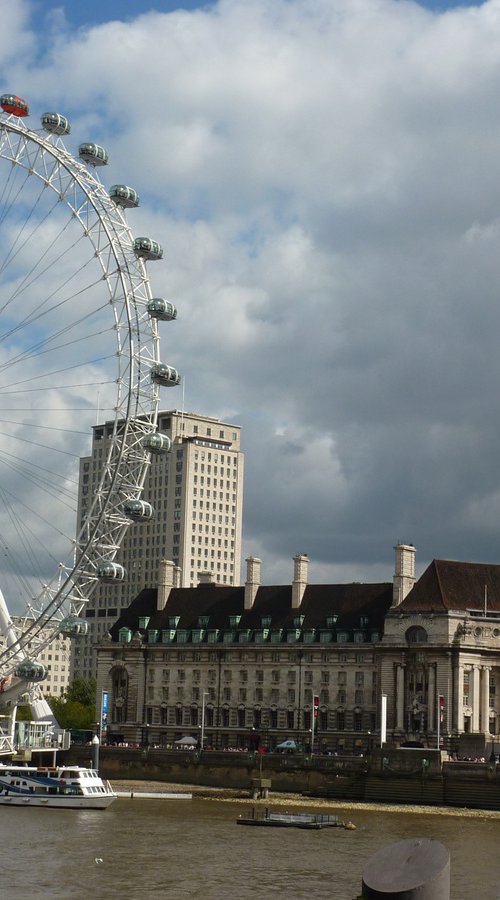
pixel 397 776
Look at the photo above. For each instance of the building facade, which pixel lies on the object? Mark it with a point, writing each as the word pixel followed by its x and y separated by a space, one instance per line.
pixel 196 491
pixel 56 657
pixel 440 665
pixel 261 664
pixel 246 663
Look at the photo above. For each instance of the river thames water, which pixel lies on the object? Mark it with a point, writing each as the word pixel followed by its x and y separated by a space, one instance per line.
pixel 180 848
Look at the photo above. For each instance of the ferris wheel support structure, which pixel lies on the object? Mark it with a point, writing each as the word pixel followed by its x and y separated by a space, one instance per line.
pixel 45 159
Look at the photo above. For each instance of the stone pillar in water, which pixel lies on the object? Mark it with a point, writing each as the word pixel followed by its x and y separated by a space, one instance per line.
pixel 414 869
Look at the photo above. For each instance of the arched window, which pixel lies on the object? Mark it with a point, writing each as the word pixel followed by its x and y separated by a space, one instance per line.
pixel 416 635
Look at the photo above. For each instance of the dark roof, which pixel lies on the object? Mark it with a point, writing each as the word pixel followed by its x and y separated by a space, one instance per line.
pixel 449 585
pixel 348 601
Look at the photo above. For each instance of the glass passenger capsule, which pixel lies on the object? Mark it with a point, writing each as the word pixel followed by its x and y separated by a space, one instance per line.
pixel 124 196
pixel 73 626
pixel 10 103
pixel 166 376
pixel 158 308
pixel 93 154
pixel 145 248
pixel 30 671
pixel 55 124
pixel 138 510
pixel 157 443
pixel 109 572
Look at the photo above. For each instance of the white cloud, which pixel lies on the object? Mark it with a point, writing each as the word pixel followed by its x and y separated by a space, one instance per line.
pixel 324 179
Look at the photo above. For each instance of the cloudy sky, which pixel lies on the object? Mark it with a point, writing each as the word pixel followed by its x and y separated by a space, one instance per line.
pixel 324 176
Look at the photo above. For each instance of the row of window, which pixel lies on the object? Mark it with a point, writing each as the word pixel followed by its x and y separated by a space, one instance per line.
pixel 276 676
pixel 327 720
pixel 279 656
pixel 257 695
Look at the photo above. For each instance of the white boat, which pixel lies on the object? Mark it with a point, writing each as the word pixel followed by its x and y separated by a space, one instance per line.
pixel 66 787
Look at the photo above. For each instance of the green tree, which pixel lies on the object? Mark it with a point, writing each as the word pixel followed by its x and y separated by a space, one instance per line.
pixel 76 709
pixel 82 690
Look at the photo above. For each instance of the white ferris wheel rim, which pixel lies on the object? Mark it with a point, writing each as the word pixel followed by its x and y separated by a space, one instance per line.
pixel 137 349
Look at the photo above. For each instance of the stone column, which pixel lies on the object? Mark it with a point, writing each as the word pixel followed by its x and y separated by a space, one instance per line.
pixel 431 699
pixel 400 697
pixel 476 699
pixel 458 699
pixel 485 699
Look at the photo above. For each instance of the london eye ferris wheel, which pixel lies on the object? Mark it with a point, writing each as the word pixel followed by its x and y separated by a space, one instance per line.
pixel 79 337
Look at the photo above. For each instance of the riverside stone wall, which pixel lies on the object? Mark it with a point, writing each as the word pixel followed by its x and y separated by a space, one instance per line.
pixel 389 775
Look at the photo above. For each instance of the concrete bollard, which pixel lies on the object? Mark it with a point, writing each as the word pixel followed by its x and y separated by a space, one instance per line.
pixel 414 869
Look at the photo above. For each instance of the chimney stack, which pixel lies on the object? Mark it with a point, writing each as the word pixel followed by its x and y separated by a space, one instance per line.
pixel 206 577
pixel 252 583
pixel 165 582
pixel 299 584
pixel 404 574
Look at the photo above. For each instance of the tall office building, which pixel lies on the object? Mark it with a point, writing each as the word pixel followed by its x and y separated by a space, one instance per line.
pixel 55 657
pixel 196 491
